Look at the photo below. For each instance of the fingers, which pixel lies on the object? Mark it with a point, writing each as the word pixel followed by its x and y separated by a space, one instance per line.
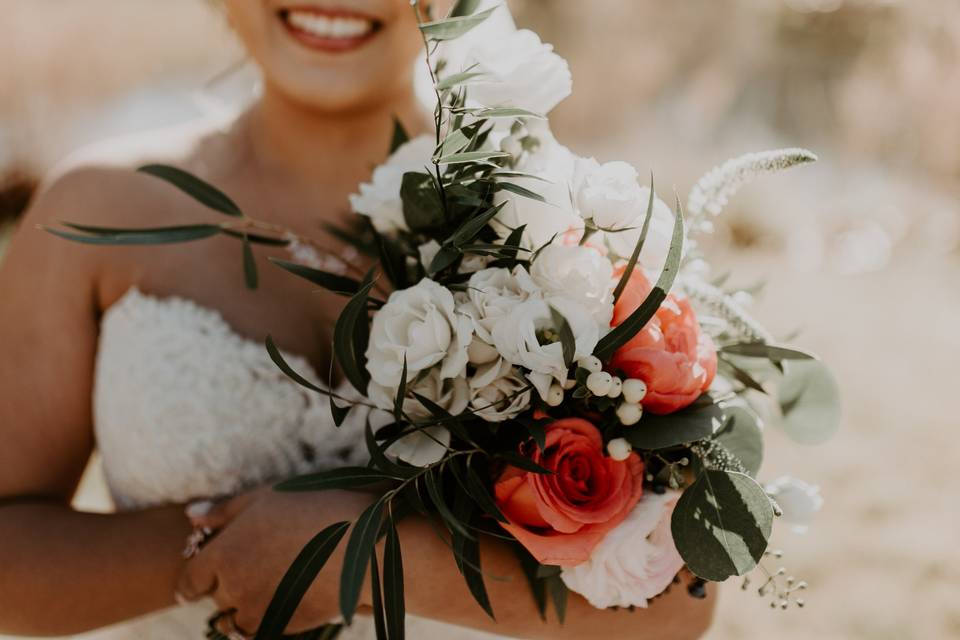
pixel 198 578
pixel 217 515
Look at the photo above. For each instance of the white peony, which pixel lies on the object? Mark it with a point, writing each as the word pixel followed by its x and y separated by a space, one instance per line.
pixel 491 294
pixel 579 273
pixel 554 163
pixel 527 337
pixel 518 71
pixel 609 194
pixel 798 500
pixel 497 392
pixel 379 199
pixel 421 325
pixel 635 562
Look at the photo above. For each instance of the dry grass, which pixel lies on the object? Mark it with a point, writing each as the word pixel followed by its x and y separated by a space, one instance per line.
pixel 861 251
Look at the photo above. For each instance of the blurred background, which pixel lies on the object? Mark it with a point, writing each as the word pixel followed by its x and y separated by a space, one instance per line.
pixel 861 252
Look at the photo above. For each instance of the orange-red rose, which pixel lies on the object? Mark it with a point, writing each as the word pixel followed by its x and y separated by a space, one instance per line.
pixel 560 518
pixel 670 354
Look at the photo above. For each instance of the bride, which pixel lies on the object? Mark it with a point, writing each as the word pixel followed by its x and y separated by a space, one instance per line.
pixel 153 356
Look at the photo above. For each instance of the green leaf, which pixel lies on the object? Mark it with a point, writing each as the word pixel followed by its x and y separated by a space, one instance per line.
pixel 742 436
pixel 393 261
pixel 523 462
pixel 453 28
pixel 158 235
pixel 338 284
pixel 376 595
pixel 250 275
pixel 359 548
pixel 279 360
pixel 298 579
pixel 200 190
pixel 507 112
pixel 558 593
pixel 434 487
pixel 422 206
pixel 255 238
pixel 520 191
pixel 445 257
pixel 400 136
pixel 464 8
pixel 693 423
pixel 567 341
pixel 472 227
pixel 466 551
pixel 538 587
pixel 393 583
pixel 456 79
pixel 764 350
pixel 721 524
pixel 648 308
pixel 381 461
pixel 810 402
pixel 481 495
pixel 350 336
pixel 743 376
pixel 401 393
pixel 472 156
pixel 340 478
pixel 632 263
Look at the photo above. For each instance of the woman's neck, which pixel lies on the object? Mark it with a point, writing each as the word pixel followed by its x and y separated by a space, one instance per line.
pixel 291 141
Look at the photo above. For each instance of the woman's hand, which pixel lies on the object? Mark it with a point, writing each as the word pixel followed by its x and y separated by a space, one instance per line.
pixel 260 534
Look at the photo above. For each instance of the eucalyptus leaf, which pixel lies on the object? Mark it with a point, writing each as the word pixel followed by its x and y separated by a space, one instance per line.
pixel 298 579
pixel 810 402
pixel 200 190
pixel 742 436
pixel 721 524
pixel 452 28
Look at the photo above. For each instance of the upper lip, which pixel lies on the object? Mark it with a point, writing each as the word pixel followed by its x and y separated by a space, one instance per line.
pixel 329 11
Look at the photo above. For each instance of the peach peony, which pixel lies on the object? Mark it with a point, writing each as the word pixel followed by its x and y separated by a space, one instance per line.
pixel 561 518
pixel 670 354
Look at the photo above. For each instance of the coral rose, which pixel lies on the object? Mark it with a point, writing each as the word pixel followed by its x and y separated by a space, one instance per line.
pixel 560 518
pixel 670 354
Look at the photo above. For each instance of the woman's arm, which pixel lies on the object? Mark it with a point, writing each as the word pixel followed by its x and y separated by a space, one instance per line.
pixel 62 571
pixel 265 530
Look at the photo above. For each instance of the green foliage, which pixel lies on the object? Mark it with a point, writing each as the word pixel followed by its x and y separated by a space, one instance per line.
pixel 764 350
pixel 742 436
pixel 200 190
pixel 632 262
pixel 809 401
pixel 453 28
pixel 422 203
pixel 357 555
pixel 696 422
pixel 721 524
pixel 335 283
pixel 151 236
pixel 350 336
pixel 394 607
pixel 250 275
pixel 400 135
pixel 339 478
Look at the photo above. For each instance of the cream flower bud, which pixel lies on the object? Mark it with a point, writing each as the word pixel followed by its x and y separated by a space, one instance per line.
pixel 590 363
pixel 616 387
pixel 629 413
pixel 634 390
pixel 619 449
pixel 555 395
pixel 599 383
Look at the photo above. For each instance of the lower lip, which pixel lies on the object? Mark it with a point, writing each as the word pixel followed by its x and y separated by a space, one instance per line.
pixel 325 44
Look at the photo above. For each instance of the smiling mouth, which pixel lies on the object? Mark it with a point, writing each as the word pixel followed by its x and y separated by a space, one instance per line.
pixel 331 31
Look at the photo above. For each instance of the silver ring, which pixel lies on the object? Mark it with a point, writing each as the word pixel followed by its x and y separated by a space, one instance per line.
pixel 195 541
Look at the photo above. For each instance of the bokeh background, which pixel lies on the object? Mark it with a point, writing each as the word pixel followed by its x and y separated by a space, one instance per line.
pixel 860 252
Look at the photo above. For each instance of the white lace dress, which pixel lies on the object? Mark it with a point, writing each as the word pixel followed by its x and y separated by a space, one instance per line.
pixel 186 408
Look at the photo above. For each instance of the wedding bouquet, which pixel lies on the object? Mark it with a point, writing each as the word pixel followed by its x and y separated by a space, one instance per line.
pixel 538 354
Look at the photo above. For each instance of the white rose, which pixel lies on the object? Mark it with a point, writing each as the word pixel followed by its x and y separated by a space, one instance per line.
pixel 659 235
pixel 379 199
pixel 451 394
pixel 497 392
pixel 518 336
pixel 609 194
pixel 518 71
pixel 798 500
pixel 554 163
pixel 421 325
pixel 635 562
pixel 578 273
pixel 491 294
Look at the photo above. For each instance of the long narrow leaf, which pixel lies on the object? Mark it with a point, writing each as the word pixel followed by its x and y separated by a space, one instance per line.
pixel 250 275
pixel 340 478
pixel 200 190
pixel 298 579
pixel 350 335
pixel 393 583
pixel 355 559
pixel 160 235
pixel 379 624
pixel 330 281
pixel 452 28
pixel 632 263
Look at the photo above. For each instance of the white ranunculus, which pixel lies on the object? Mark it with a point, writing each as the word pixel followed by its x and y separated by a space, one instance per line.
pixel 491 294
pixel 379 199
pixel 798 500
pixel 518 335
pixel 554 163
pixel 657 244
pixel 497 392
pixel 635 562
pixel 579 273
pixel 609 194
pixel 518 71
pixel 421 325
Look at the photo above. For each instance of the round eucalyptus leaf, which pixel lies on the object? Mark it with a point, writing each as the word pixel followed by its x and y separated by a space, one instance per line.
pixel 721 525
pixel 743 436
pixel 810 402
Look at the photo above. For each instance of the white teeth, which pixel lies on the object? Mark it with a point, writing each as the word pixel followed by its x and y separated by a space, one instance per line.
pixel 326 27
